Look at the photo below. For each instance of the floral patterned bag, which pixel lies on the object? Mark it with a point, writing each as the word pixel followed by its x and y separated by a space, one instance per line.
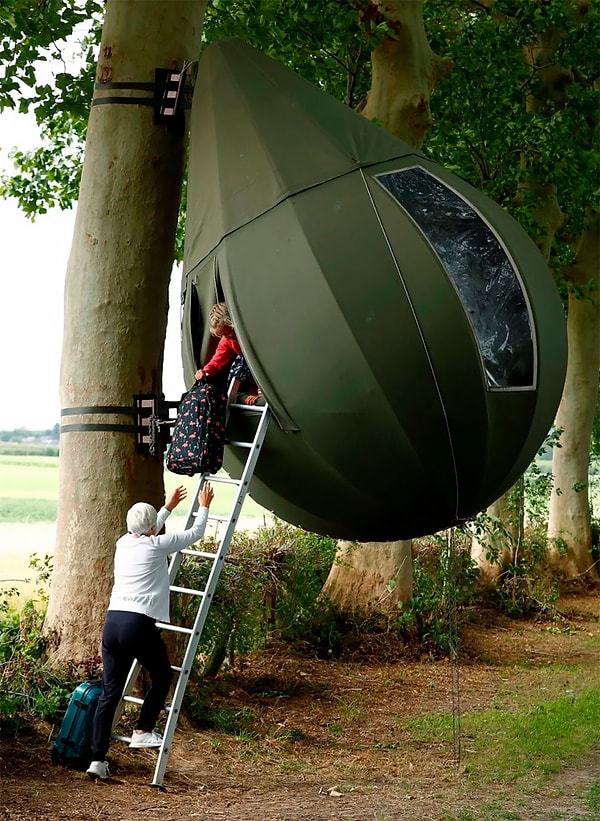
pixel 198 438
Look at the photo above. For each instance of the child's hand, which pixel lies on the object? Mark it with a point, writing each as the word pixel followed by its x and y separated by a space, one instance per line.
pixel 206 495
pixel 177 496
pixel 198 375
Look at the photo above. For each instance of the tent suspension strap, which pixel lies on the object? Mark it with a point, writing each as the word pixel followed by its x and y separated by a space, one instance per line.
pixel 168 95
pixel 127 410
pixel 101 410
pixel 451 580
pixel 151 421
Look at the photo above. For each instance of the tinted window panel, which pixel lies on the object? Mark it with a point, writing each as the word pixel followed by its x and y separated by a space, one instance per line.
pixel 482 273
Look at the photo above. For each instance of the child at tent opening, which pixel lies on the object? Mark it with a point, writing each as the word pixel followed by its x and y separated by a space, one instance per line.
pixel 228 361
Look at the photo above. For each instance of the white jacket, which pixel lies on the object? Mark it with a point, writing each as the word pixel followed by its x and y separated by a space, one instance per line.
pixel 141 568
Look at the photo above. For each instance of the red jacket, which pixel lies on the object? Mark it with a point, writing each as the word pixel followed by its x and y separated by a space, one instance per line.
pixel 227 349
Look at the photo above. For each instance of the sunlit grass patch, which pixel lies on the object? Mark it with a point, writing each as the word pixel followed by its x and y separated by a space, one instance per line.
pixel 543 738
pixel 539 731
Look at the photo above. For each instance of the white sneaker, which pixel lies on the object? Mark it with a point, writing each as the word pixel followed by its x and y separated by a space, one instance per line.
pixel 98 769
pixel 146 740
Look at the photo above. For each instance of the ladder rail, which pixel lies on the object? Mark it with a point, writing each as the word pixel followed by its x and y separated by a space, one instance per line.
pixel 174 563
pixel 194 634
pixel 207 598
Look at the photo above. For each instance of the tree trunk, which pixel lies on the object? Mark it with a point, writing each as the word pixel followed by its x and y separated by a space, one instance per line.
pixel 494 548
pixel 116 301
pixel 372 577
pixel 404 70
pixel 569 527
pixel 569 522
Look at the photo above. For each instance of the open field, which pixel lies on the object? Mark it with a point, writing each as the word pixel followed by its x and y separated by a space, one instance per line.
pixel 32 479
pixel 28 500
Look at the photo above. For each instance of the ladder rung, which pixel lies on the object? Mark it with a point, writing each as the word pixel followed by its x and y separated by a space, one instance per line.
pixel 251 408
pixel 187 590
pixel 125 738
pixel 212 517
pixel 174 628
pixel 140 701
pixel 224 480
pixel 175 669
pixel 234 443
pixel 201 554
pixel 133 700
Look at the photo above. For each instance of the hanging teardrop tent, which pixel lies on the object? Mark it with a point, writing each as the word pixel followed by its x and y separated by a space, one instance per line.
pixel 405 330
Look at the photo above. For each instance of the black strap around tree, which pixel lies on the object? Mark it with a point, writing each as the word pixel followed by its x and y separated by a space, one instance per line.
pixel 98 426
pixel 157 90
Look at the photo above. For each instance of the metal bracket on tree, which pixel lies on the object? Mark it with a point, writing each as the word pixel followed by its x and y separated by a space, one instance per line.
pixel 153 423
pixel 151 417
pixel 169 95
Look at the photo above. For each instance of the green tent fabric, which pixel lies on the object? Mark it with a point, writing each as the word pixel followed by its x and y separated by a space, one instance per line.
pixel 404 329
pixel 261 134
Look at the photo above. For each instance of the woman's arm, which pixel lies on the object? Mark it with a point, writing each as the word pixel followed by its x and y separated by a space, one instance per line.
pixel 172 542
pixel 178 495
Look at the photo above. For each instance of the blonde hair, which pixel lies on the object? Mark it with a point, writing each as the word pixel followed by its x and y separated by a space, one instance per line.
pixel 219 315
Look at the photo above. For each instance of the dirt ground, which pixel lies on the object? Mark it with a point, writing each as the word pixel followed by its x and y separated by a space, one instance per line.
pixel 323 740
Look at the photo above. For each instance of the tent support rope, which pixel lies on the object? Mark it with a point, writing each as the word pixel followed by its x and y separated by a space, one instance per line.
pixel 451 584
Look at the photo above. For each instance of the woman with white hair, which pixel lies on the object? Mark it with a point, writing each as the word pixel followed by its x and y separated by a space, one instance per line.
pixel 140 598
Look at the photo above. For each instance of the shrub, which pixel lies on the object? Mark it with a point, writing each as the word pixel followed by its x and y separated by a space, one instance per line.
pixel 526 585
pixel 268 590
pixel 443 585
pixel 28 687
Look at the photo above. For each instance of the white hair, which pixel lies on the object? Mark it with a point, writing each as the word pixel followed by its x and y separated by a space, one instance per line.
pixel 141 518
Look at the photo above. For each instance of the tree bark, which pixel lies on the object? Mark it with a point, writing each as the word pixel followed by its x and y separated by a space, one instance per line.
pixel 569 527
pixel 495 548
pixel 404 70
pixel 116 301
pixel 370 577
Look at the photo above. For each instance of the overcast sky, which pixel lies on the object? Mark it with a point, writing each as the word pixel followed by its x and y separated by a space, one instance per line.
pixel 33 262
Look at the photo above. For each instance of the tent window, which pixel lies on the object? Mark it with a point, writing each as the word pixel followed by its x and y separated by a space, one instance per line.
pixel 480 269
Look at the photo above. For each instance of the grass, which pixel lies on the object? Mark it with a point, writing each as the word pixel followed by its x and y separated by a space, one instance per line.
pixel 528 735
pixel 593 798
pixel 539 740
pixel 27 511
pixel 29 477
pixel 29 491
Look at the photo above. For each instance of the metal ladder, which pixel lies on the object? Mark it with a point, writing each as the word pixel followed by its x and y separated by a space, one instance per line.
pixel 206 596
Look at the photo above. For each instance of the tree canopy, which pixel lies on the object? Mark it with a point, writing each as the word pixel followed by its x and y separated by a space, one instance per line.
pixel 483 128
pixel 32 35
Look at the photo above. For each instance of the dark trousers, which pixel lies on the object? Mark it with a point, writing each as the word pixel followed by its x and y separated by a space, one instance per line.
pixel 125 637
